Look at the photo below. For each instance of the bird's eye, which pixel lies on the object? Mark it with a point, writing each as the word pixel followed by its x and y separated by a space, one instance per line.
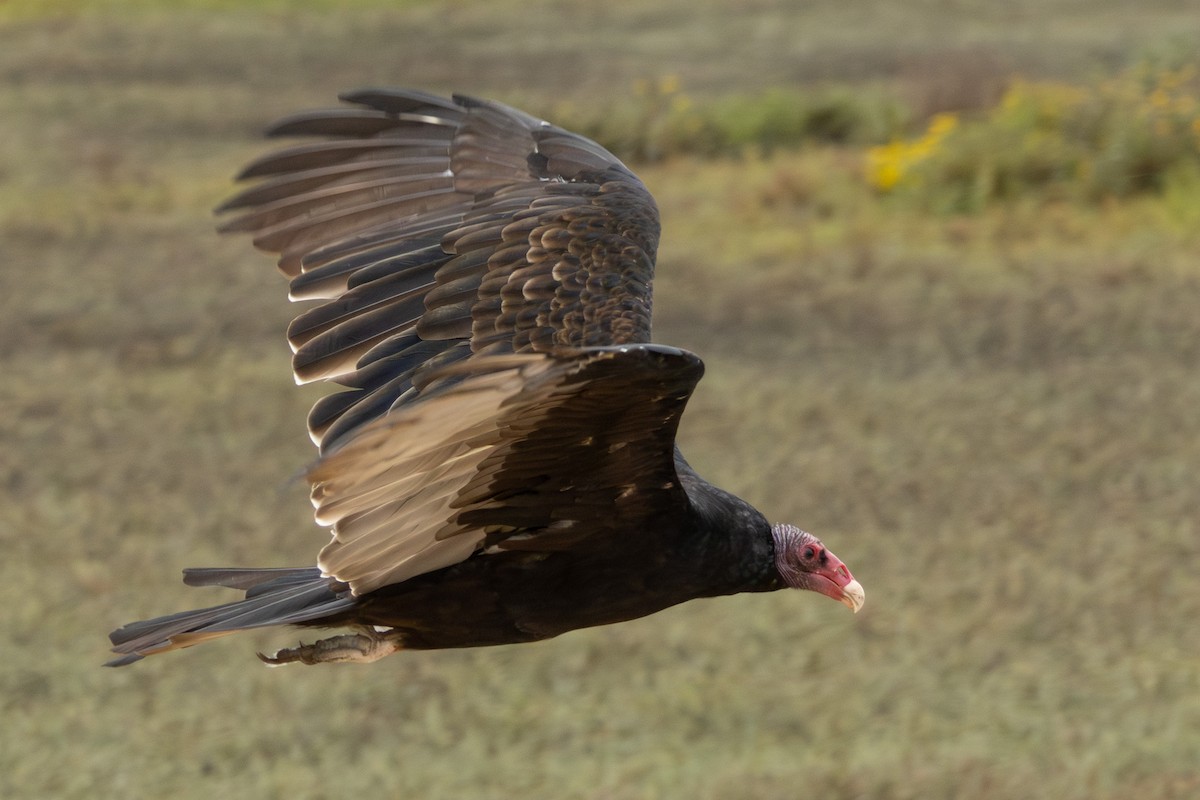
pixel 809 553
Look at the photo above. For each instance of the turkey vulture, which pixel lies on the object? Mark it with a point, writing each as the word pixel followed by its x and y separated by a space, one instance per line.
pixel 501 466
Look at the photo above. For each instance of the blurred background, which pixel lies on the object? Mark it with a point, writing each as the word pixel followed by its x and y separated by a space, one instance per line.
pixel 942 258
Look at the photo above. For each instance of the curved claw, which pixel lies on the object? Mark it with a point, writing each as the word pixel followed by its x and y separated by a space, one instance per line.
pixel 347 648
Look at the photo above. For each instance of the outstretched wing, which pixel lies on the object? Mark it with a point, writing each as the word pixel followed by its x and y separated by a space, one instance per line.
pixel 529 451
pixel 438 230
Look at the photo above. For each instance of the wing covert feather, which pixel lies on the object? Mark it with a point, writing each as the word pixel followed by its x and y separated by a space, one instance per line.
pixel 507 452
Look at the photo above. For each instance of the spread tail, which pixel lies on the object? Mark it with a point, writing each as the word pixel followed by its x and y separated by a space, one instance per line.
pixel 273 597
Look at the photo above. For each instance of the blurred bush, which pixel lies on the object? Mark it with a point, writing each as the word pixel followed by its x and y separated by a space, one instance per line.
pixel 1135 133
pixel 1138 132
pixel 661 120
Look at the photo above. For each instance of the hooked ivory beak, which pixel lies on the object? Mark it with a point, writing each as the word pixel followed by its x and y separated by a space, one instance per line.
pixel 853 596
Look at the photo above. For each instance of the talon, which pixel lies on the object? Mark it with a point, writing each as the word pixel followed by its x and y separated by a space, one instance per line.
pixel 349 648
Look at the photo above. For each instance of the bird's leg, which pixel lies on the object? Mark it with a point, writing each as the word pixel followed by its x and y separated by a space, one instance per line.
pixel 348 648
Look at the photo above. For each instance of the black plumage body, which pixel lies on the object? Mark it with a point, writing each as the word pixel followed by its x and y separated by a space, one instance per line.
pixel 523 596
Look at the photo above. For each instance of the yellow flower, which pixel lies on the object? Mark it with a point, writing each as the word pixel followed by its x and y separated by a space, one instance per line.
pixel 885 175
pixel 1014 95
pixel 1173 79
pixel 940 125
pixel 889 164
pixel 681 103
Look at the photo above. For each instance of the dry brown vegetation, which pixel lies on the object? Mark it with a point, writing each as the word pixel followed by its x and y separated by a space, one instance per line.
pixel 991 417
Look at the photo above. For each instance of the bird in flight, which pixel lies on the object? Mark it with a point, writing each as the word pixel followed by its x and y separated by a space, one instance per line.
pixel 500 464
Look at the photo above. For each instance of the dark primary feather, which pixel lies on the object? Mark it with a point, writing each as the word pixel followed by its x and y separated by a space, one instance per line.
pixel 500 465
pixel 428 225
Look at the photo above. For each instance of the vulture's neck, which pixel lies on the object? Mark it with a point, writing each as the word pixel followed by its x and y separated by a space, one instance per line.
pixel 729 541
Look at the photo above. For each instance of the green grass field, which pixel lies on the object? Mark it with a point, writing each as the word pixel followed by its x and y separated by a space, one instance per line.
pixel 993 418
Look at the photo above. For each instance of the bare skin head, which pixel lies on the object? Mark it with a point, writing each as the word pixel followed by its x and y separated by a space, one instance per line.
pixel 803 562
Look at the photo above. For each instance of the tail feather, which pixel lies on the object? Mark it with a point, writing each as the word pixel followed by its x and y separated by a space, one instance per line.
pixel 245 577
pixel 273 597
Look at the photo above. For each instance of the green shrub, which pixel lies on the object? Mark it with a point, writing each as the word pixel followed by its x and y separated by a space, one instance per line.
pixel 660 119
pixel 1113 139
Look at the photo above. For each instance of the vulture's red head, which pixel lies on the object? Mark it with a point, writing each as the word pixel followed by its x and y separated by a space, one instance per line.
pixel 803 562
